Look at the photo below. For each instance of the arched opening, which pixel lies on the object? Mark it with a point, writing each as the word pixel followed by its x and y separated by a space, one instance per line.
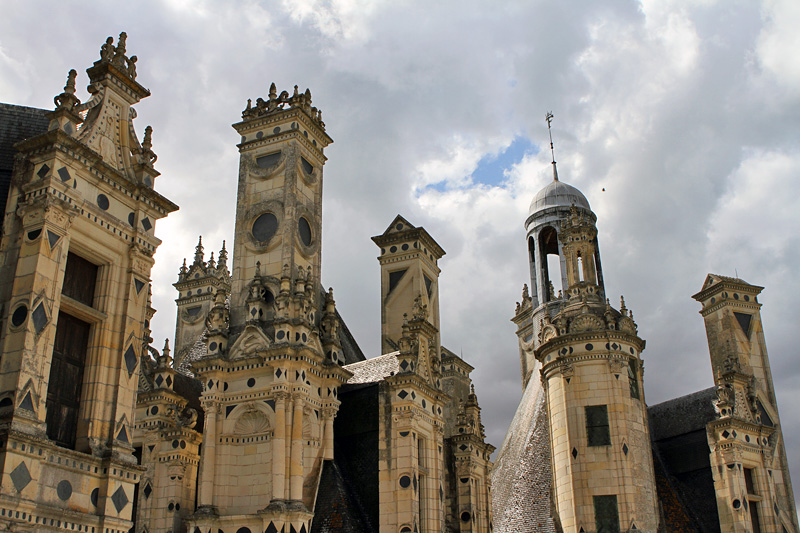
pixel 532 264
pixel 549 285
pixel 580 268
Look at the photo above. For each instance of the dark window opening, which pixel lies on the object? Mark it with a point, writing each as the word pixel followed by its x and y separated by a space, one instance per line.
pixel 744 321
pixel 66 379
pixel 606 514
pixel 633 377
pixel 137 454
pixel 80 279
pixel 265 227
pixel 394 278
pixel 266 161
pixel 304 228
pixel 550 262
pixel 597 429
pixel 755 520
pixel 748 482
pixel 428 285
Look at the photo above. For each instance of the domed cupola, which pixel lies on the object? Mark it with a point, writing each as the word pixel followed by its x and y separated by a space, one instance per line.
pixel 553 271
pixel 558 194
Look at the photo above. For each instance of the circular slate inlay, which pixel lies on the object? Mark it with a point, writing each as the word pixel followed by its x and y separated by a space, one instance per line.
pixel 19 315
pixel 95 495
pixel 304 228
pixel 251 382
pixel 102 201
pixel 465 516
pixel 405 482
pixel 736 504
pixel 64 490
pixel 265 227
pixel 154 410
pixel 589 347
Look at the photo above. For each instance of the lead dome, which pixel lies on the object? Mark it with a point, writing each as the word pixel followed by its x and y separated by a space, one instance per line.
pixel 558 193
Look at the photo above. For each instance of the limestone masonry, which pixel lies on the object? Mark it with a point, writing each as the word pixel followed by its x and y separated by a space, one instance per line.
pixel 265 415
pixel 584 452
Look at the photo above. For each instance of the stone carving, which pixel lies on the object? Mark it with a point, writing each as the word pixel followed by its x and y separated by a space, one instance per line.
pixel 282 101
pixel 251 422
pixel 116 55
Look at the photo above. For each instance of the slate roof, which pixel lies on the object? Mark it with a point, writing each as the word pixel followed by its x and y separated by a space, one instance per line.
pixel 337 510
pixel 521 476
pixel 682 465
pixel 375 369
pixel 16 124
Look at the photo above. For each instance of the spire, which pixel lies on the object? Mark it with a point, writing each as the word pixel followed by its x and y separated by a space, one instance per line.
pixel 222 261
pixel 549 118
pixel 198 252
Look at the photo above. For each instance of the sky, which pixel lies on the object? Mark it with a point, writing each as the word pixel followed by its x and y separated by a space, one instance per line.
pixel 679 121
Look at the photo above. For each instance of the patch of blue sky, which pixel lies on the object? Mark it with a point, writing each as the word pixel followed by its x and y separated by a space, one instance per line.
pixel 491 169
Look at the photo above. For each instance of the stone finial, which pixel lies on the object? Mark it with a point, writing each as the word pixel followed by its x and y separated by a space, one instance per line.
pixel 148 154
pixel 198 252
pixel 211 262
pixel 164 360
pixel 119 58
pixel 273 91
pixel 67 99
pixel 222 261
pixel 183 270
pixel 622 308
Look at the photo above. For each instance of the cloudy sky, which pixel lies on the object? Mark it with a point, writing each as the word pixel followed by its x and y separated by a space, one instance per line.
pixel 678 120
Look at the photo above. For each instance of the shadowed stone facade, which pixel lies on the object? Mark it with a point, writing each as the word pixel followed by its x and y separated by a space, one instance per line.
pixel 584 453
pixel 264 415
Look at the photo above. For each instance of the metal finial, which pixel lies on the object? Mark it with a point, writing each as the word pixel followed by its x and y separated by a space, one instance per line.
pixel 549 118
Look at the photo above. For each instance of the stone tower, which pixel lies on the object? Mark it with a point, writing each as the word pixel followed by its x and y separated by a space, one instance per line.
pixel 197 287
pixel 748 456
pixel 76 253
pixel 273 353
pixel 409 271
pixel 591 368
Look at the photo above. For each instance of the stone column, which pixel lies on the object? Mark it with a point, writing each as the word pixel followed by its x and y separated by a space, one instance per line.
pixel 327 437
pixel 206 496
pixel 279 448
pixel 296 465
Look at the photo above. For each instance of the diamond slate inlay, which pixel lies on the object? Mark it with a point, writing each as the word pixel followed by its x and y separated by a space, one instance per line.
pixel 120 499
pixel 43 171
pixel 27 403
pixel 53 238
pixel 146 224
pixel 625 449
pixel 130 360
pixel 402 394
pixel 63 173
pixel 39 318
pixel 574 453
pixel 138 284
pixel 148 490
pixel 20 477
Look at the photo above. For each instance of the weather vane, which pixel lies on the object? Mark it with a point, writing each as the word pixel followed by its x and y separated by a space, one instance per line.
pixel 549 118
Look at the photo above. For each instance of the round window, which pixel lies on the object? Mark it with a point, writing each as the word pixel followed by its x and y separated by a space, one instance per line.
pixel 265 227
pixel 305 231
